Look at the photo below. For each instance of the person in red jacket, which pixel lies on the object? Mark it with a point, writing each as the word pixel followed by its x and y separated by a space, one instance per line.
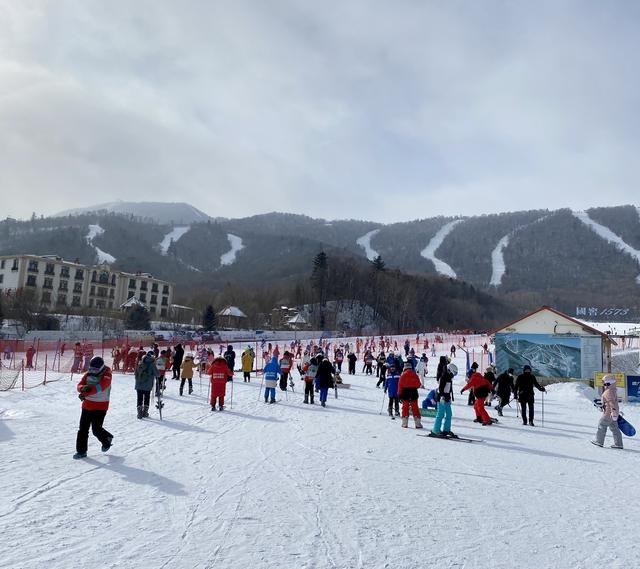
pixel 481 388
pixel 94 391
pixel 408 394
pixel 219 372
pixel 31 351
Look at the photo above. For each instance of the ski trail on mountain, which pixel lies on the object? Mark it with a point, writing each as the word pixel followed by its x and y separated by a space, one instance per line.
pixel 174 235
pixel 103 257
pixel 430 250
pixel 236 245
pixel 609 236
pixel 365 243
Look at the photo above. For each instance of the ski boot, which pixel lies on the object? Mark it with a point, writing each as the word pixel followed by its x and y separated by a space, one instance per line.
pixel 181 392
pixel 213 408
pixel 145 411
pixel 450 435
pixel 418 422
pixel 323 403
pixel 499 410
pixel 140 412
pixel 80 455
pixel 592 442
pixel 306 400
pixel 405 422
pixel 221 408
pixel 106 447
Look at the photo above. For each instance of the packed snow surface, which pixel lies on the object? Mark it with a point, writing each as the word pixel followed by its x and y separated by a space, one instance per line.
pixel 609 236
pixel 298 486
pixel 365 243
pixel 103 257
pixel 429 252
pixel 498 267
pixel 236 245
pixel 175 234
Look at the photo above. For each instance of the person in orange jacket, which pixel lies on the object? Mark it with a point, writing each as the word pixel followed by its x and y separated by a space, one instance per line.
pixel 219 372
pixel 408 394
pixel 481 388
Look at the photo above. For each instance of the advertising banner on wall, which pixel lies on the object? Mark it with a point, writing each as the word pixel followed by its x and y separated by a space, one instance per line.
pixel 633 387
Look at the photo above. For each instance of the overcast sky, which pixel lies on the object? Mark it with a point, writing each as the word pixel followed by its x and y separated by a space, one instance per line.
pixel 382 110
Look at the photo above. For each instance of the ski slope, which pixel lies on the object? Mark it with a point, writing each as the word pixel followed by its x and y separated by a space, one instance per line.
pixel 174 235
pixel 429 252
pixel 103 257
pixel 229 257
pixel 498 266
pixel 298 486
pixel 365 243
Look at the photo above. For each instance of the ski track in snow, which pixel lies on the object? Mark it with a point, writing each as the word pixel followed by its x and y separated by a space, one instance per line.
pixel 103 257
pixel 609 236
pixel 429 252
pixel 365 243
pixel 236 245
pixel 174 235
pixel 290 486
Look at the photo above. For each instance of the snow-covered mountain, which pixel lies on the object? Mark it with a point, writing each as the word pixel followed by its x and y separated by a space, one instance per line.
pixel 159 212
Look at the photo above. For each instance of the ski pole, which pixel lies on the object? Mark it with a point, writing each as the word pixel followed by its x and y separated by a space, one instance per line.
pixel 543 408
pixel 384 396
pixel 260 390
pixel 231 402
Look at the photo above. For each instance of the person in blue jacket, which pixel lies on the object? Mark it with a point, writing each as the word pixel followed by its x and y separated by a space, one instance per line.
pixel 271 372
pixel 430 401
pixel 391 386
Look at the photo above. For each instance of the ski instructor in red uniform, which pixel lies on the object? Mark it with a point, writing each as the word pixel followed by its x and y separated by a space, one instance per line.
pixel 219 372
pixel 481 388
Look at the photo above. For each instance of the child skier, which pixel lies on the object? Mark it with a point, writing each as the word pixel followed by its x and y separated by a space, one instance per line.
pixel 391 387
pixel 309 372
pixel 219 372
pixel 145 374
pixel 444 397
pixel 286 363
pixel 187 373
pixel 163 363
pixel 271 372
pixel 408 391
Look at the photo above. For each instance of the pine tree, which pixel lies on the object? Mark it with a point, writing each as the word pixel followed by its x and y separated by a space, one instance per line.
pixel 378 264
pixel 138 318
pixel 209 320
pixel 319 278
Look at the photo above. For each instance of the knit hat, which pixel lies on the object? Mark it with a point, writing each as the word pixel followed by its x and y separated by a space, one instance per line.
pixel 608 379
pixel 407 365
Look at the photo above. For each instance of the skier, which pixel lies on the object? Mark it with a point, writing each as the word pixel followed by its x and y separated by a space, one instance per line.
pixel 309 372
pixel 610 413
pixel 503 386
pixel 187 373
pixel 339 358
pixel 472 397
pixel 163 364
pixel 286 363
pixel 407 345
pixel 324 379
pixel 408 392
pixel 247 363
pixel 31 351
pixel 391 387
pixel 177 361
pixel 421 368
pixel 230 356
pixel 352 359
pixel 481 388
pixel 368 363
pixel 380 369
pixel 444 397
pixel 525 383
pixel 145 374
pixel 94 390
pixel 453 351
pixel 87 352
pixel 219 372
pixel 271 372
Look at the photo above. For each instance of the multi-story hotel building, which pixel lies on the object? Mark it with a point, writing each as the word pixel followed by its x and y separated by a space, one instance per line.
pixel 57 283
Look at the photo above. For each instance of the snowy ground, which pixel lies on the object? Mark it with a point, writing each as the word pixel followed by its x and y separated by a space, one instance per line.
pixel 291 485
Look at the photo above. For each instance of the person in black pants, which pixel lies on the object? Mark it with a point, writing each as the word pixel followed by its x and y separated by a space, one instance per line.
pixel 524 393
pixel 352 358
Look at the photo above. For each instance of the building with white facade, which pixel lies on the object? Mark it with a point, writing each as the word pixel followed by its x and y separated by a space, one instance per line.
pixel 57 283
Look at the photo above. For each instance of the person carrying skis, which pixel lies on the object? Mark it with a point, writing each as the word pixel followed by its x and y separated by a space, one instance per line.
pixel 271 372
pixel 610 414
pixel 324 379
pixel 187 373
pixel 145 374
pixel 444 397
pixel 525 383
pixel 286 363
pixel 247 363
pixel 481 388
pixel 94 390
pixel 408 385
pixel 352 359
pixel 504 387
pixel 391 387
pixel 309 371
pixel 219 372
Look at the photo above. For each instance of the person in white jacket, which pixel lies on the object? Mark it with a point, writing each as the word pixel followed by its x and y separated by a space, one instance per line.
pixel 610 413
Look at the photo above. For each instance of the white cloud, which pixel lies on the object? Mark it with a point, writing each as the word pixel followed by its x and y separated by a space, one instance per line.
pixel 386 111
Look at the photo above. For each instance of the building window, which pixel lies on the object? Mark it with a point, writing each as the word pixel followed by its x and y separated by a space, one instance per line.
pixel 112 293
pixel 101 304
pixel 62 299
pixel 33 266
pixel 49 269
pixel 1 278
pixel 165 301
pixel 31 280
pixel 46 297
pixel 91 303
pixel 79 275
pixel 77 287
pixel 152 310
pixel 103 278
pixel 165 289
pixel 154 287
pixel 110 304
pixel 92 290
pixel 143 285
pixel 113 280
pixel 131 294
pixel 163 313
pixel 15 265
pixel 64 272
pixel 154 299
pixel 48 282
pixel 102 292
pixel 63 285
pixel 143 297
pixel 2 264
pixel 75 301
pixel 132 283
pixel 94 277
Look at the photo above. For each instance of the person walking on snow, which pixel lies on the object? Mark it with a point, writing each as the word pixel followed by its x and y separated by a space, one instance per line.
pixel 368 363
pixel 286 363
pixel 247 363
pixel 145 374
pixel 271 372
pixel 391 387
pixel 309 371
pixel 481 388
pixel 94 390
pixel 524 393
pixel 339 358
pixel 31 351
pixel 178 356
pixel 219 372
pixel 408 392
pixel 324 379
pixel 444 397
pixel 352 359
pixel 610 414
pixel 187 373
pixel 230 356
pixel 504 387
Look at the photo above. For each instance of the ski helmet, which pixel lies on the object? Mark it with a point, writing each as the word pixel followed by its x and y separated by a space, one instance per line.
pixel 96 365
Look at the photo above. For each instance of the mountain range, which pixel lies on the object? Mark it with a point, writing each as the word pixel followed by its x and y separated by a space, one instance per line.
pixel 565 258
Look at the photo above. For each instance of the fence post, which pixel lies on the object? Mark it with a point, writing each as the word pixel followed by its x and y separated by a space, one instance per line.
pixel 22 369
pixel 45 370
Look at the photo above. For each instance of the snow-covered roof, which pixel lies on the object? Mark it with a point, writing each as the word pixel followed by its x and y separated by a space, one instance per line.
pixel 232 311
pixel 297 319
pixel 133 301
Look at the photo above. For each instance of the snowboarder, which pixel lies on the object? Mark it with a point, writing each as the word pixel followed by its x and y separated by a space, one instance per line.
pixel 481 388
pixel 408 392
pixel 219 372
pixel 324 379
pixel 391 387
pixel 352 359
pixel 247 358
pixel 94 390
pixel 145 374
pixel 187 373
pixel 524 393
pixel 610 413
pixel 271 372
pixel 444 397
pixel 504 387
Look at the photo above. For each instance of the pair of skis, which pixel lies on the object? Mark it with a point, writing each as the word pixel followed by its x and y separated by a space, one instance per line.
pixel 447 438
pixel 159 390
